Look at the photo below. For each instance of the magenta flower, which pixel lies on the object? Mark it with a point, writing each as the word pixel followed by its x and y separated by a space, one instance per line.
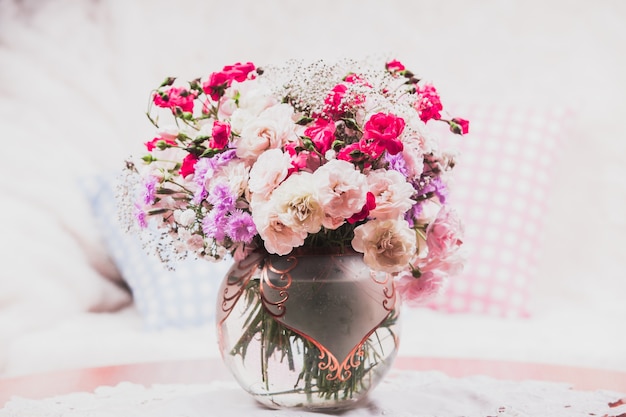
pixel 175 97
pixel 384 130
pixel 429 103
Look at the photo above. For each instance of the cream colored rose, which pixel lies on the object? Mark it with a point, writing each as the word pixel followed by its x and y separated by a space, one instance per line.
pixel 268 172
pixel 250 97
pixel 296 203
pixel 387 245
pixel 341 187
pixel 393 194
pixel 273 128
pixel 278 237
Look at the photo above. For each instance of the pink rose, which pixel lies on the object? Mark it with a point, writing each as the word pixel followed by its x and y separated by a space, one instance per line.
pixel 322 133
pixel 335 98
pixel 219 81
pixel 384 131
pixel 394 66
pixel 387 245
pixel 238 72
pixel 175 97
pixel 444 234
pixel 220 135
pixel 159 143
pixel 370 204
pixel 429 103
pixel 188 165
pixel 417 291
pixel 459 126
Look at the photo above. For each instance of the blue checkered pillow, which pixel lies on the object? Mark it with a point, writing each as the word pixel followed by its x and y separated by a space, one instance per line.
pixel 183 297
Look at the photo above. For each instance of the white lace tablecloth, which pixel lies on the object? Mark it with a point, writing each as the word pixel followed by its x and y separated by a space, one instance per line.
pixel 403 393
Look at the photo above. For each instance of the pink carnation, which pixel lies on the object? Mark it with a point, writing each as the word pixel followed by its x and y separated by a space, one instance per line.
pixel 159 142
pixel 176 97
pixel 384 131
pixel 322 133
pixel 394 67
pixel 429 103
pixel 188 165
pixel 220 135
pixel 444 236
pixel 219 81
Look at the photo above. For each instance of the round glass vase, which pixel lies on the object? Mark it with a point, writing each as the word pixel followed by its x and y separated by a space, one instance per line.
pixel 311 330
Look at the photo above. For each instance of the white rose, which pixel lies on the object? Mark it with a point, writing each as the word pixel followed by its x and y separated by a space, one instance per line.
pixel 392 192
pixel 273 128
pixel 297 204
pixel 270 169
pixel 277 237
pixel 387 245
pixel 342 188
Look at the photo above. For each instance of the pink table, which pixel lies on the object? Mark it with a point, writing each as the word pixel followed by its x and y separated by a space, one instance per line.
pixel 204 371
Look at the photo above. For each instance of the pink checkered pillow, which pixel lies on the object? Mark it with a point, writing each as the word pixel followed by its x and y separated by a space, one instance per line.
pixel 501 187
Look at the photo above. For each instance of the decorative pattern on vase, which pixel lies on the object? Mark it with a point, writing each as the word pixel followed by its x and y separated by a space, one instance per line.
pixel 316 314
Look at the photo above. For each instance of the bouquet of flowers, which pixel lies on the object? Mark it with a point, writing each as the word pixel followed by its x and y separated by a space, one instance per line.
pixel 303 155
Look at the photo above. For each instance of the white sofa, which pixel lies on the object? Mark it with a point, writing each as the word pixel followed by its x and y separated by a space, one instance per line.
pixel 74 82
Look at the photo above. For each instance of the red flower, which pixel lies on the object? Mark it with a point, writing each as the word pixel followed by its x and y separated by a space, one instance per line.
pixel 394 67
pixel 220 135
pixel 175 97
pixel 188 165
pixel 238 72
pixel 459 126
pixel 370 204
pixel 219 81
pixel 160 143
pixel 322 133
pixel 429 104
pixel 383 132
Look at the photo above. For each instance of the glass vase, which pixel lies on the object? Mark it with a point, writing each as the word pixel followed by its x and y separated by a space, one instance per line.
pixel 309 330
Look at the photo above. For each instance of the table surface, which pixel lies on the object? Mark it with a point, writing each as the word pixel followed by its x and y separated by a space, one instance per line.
pixel 206 370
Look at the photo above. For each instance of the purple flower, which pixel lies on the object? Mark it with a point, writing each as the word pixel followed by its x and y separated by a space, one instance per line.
pixel 140 216
pixel 214 225
pixel 222 198
pixel 397 163
pixel 149 190
pixel 241 227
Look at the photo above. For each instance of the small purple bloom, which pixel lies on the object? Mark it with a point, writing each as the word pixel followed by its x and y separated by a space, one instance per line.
pixel 140 216
pixel 222 198
pixel 214 225
pixel 149 190
pixel 397 163
pixel 241 227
